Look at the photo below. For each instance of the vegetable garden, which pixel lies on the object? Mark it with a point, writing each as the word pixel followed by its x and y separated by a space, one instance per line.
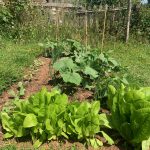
pixel 74 96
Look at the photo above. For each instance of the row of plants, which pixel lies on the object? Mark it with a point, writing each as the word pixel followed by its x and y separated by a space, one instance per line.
pixel 78 66
pixel 49 116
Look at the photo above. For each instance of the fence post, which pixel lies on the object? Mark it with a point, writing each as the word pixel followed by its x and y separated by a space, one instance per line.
pixel 104 26
pixel 128 20
pixel 57 24
pixel 86 28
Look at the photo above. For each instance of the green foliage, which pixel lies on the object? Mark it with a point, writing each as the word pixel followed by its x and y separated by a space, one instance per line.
pixel 12 15
pixel 130 110
pixel 140 24
pixel 68 70
pixel 20 91
pixel 80 67
pixel 144 23
pixel 49 116
pixel 5 18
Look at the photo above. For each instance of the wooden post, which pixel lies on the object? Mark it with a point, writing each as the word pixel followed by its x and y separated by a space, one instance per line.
pixel 128 20
pixel 104 25
pixel 57 24
pixel 86 28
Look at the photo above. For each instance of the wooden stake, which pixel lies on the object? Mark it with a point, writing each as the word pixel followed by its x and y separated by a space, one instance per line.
pixel 128 20
pixel 86 29
pixel 104 26
pixel 57 24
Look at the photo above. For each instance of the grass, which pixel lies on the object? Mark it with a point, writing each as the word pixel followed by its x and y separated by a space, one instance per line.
pixel 136 57
pixel 14 58
pixel 8 147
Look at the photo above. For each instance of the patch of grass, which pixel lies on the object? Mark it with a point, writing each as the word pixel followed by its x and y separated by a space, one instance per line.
pixel 8 147
pixel 136 57
pixel 14 58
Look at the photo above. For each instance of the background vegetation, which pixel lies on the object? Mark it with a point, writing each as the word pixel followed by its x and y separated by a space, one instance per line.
pixel 24 25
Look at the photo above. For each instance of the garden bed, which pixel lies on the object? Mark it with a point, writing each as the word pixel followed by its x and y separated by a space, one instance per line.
pixel 42 78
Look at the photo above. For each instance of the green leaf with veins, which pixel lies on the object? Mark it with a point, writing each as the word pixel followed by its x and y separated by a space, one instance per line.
pixel 30 121
pixel 72 77
pixel 91 72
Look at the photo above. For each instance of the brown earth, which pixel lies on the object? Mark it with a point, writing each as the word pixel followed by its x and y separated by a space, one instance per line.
pixel 41 78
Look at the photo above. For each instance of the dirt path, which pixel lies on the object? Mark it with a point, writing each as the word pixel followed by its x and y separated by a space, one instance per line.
pixel 39 80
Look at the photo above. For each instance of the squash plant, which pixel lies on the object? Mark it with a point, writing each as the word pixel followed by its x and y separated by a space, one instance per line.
pixel 49 116
pixel 80 67
pixel 130 109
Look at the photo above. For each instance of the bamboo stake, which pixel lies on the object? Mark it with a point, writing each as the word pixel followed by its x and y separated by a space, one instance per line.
pixel 104 26
pixel 128 20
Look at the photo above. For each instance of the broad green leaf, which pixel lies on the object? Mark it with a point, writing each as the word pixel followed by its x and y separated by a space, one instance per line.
pixel 104 120
pixel 37 144
pixel 30 121
pixel 42 96
pixel 91 72
pixel 65 135
pixel 48 126
pixel 108 138
pixel 95 143
pixel 95 107
pixel 6 122
pixel 65 64
pixel 61 100
pixel 8 135
pixel 72 77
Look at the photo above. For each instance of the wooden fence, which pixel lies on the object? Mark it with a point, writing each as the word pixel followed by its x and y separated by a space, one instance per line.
pixel 86 23
pixel 101 22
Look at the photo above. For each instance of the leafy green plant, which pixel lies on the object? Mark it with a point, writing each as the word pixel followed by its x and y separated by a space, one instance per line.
pixel 20 91
pixel 80 67
pixel 49 116
pixel 68 70
pixel 83 121
pixel 130 110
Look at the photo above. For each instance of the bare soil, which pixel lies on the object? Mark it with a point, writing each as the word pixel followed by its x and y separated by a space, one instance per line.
pixel 41 78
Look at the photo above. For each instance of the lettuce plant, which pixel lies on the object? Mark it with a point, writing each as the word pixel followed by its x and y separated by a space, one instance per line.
pixel 130 110
pixel 49 116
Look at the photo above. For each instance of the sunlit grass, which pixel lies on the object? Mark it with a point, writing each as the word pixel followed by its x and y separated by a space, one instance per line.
pixel 14 58
pixel 136 57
